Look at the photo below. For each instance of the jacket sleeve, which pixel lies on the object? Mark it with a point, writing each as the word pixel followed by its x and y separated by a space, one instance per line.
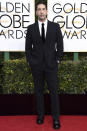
pixel 28 45
pixel 59 42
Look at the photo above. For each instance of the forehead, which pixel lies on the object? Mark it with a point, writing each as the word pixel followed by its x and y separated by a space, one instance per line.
pixel 41 6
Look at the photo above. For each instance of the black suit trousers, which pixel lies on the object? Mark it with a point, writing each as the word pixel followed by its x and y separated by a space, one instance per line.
pixel 39 78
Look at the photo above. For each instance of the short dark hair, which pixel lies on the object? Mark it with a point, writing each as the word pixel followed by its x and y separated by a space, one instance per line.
pixel 41 2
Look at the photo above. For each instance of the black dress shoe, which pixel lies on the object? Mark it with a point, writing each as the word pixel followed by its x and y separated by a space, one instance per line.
pixel 56 124
pixel 40 120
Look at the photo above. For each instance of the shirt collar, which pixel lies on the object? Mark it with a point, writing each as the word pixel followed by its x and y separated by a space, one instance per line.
pixel 45 22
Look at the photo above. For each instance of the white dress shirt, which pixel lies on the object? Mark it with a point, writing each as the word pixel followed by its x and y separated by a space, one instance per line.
pixel 40 26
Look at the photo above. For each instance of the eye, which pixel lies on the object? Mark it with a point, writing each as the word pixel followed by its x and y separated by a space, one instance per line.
pixel 38 9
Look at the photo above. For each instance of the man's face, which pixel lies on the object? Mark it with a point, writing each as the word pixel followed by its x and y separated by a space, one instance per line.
pixel 41 12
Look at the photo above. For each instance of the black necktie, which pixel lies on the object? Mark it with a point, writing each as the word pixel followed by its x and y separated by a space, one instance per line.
pixel 43 33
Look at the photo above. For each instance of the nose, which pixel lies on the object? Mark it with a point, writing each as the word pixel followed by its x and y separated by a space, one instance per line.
pixel 41 11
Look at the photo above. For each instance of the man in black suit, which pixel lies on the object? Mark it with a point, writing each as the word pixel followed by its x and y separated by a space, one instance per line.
pixel 44 51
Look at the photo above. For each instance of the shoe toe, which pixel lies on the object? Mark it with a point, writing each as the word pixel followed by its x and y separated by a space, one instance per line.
pixel 56 125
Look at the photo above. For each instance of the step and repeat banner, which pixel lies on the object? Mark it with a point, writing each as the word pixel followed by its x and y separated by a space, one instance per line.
pixel 15 16
pixel 72 17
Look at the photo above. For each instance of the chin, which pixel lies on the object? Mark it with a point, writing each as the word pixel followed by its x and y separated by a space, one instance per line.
pixel 42 18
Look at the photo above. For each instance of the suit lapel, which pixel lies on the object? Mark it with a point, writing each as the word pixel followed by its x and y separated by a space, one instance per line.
pixel 48 30
pixel 37 31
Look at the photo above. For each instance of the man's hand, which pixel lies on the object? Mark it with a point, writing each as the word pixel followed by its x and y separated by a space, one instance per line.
pixel 58 61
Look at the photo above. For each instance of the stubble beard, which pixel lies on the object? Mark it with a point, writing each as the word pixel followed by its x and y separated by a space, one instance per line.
pixel 42 19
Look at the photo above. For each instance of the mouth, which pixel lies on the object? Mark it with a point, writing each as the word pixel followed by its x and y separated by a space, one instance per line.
pixel 41 15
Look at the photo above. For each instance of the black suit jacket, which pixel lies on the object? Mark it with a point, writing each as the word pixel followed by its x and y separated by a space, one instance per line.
pixel 39 53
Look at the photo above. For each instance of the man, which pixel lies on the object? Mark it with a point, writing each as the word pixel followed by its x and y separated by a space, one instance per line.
pixel 44 50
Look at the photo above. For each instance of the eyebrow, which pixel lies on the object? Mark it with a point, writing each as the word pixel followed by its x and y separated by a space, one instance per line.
pixel 41 8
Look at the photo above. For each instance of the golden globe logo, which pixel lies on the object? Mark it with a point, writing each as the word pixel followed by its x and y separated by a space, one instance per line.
pixel 13 19
pixel 72 20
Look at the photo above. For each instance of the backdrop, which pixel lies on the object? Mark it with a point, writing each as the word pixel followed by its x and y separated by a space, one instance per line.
pixel 15 16
pixel 72 17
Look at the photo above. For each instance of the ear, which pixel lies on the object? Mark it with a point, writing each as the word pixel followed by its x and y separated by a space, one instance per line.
pixel 47 12
pixel 36 13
